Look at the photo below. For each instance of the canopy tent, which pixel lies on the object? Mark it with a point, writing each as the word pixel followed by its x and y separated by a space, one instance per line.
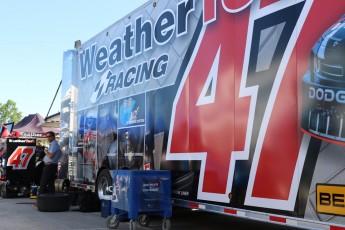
pixel 29 126
pixel 52 121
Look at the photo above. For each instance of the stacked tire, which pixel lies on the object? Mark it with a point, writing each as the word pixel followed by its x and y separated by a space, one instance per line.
pixel 53 202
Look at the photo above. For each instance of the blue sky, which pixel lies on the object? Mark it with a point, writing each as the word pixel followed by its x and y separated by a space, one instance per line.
pixel 34 35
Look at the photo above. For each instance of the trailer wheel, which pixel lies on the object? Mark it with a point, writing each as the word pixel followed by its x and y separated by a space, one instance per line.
pixel 104 181
pixel 3 191
pixel 53 202
pixel 144 220
pixel 112 222
pixel 166 225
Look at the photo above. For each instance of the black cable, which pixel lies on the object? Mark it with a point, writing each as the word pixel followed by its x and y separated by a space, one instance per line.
pixel 53 99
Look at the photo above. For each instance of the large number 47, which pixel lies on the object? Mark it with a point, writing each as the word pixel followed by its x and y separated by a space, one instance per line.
pixel 236 108
pixel 20 158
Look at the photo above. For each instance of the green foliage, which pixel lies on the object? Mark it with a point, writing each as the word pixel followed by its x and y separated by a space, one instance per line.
pixel 9 112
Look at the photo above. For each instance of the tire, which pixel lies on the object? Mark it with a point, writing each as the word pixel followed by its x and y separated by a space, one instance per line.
pixel 3 191
pixel 104 182
pixel 53 202
pixel 144 220
pixel 61 185
pixel 112 222
pixel 7 190
pixel 166 224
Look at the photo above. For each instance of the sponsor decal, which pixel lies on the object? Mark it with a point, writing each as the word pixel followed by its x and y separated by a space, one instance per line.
pixel 323 88
pixel 327 95
pixel 20 158
pixel 138 38
pixel 135 75
pixel 330 199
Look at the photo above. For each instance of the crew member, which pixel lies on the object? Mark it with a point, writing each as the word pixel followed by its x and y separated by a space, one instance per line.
pixel 50 168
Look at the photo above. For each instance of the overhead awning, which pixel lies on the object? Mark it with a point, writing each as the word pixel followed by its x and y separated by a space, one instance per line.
pixel 30 126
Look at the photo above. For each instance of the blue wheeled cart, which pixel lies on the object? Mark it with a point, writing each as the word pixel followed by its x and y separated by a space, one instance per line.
pixel 139 194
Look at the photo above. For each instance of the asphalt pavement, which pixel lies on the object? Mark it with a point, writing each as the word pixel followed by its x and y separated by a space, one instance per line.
pixel 22 213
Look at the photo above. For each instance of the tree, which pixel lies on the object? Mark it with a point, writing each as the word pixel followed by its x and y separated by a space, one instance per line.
pixel 9 112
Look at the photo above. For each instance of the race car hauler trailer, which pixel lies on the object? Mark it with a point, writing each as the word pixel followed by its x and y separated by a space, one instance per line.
pixel 242 100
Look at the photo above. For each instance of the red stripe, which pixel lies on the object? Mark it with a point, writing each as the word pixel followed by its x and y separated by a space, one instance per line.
pixel 231 211
pixel 323 138
pixel 277 219
pixel 336 228
pixel 193 205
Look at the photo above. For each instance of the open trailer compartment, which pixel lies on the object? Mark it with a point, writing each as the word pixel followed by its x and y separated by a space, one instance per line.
pixel 243 101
